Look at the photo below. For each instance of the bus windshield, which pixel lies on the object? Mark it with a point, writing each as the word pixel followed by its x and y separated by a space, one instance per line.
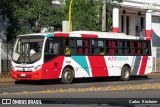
pixel 28 50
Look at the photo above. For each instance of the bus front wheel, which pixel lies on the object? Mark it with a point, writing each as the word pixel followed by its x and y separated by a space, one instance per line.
pixel 67 76
pixel 125 74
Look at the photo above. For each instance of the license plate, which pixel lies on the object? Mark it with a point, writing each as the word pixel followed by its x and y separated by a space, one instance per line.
pixel 23 75
pixel 23 65
pixel 28 69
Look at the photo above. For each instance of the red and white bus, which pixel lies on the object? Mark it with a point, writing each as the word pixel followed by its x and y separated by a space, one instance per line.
pixel 80 54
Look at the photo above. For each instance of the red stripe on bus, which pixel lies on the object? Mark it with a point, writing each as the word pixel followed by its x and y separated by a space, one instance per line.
pixel 52 69
pixel 61 34
pixel 89 36
pixel 98 66
pixel 115 29
pixel 148 34
pixel 143 65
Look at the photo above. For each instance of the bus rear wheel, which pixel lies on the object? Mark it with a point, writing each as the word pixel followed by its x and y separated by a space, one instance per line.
pixel 125 74
pixel 67 76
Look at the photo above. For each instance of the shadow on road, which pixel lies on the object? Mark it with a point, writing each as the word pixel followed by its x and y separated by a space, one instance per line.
pixel 82 80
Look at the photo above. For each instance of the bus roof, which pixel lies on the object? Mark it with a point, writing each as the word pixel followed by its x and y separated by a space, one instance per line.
pixel 87 34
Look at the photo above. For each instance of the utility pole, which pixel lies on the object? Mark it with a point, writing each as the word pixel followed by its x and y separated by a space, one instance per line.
pixel 104 16
pixel 70 10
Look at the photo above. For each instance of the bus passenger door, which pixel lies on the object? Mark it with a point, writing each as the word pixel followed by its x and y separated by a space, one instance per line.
pixel 51 63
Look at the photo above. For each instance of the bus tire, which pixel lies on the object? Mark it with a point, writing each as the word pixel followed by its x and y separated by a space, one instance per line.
pixel 125 73
pixel 67 76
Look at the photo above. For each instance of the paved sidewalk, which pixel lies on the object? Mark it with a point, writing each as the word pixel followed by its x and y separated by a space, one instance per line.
pixel 9 80
pixel 6 80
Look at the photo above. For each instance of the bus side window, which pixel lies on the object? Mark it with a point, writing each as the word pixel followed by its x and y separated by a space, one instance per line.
pixel 121 47
pixel 72 43
pixel 107 47
pixel 67 51
pixel 86 44
pixel 79 47
pixel 67 48
pixel 127 48
pixel 80 51
pixel 101 51
pixel 96 51
pixel 139 48
pixel 133 47
pixel 72 50
pixel 145 47
pixel 112 47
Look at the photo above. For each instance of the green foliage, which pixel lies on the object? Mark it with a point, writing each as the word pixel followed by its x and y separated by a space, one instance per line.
pixel 28 16
pixel 86 14
pixel 32 15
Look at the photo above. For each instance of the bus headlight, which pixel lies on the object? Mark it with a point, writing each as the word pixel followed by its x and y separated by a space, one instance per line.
pixel 37 68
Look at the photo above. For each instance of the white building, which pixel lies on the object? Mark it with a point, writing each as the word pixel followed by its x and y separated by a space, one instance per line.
pixel 139 18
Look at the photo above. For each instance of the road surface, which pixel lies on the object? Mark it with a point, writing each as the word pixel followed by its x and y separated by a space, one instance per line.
pixel 137 87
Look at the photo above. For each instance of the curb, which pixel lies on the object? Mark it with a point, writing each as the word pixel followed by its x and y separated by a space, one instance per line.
pixel 154 74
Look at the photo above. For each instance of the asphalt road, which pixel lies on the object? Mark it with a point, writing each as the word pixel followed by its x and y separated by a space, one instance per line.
pixel 111 87
pixel 137 87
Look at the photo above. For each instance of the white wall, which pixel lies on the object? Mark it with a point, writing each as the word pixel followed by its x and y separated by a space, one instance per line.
pixel 134 21
pixel 156 31
pixel 132 25
pixel 142 4
pixel 143 1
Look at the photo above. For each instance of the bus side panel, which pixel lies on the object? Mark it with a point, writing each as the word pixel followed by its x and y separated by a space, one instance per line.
pixel 136 65
pixel 115 64
pixel 146 65
pixel 79 64
pixel 149 65
pixel 142 65
pixel 98 66
pixel 113 69
pixel 53 68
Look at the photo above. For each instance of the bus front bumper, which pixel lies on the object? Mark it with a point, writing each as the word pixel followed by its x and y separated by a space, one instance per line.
pixel 37 75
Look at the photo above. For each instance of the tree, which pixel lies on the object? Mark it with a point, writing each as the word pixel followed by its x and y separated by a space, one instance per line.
pixel 5 11
pixel 33 15
pixel 27 16
pixel 86 14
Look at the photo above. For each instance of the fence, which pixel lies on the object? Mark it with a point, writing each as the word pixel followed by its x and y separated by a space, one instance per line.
pixel 5 57
pixel 156 64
